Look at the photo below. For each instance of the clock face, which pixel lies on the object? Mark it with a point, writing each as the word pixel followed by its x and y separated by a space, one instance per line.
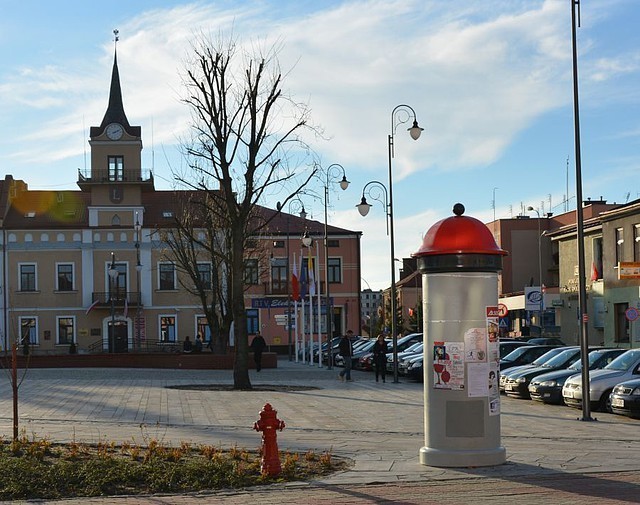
pixel 114 131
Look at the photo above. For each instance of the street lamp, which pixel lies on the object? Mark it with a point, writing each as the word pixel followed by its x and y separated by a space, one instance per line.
pixel 539 270
pixel 363 208
pixel 582 284
pixel 113 274
pixel 344 184
pixel 415 131
pixel 138 228
pixel 303 215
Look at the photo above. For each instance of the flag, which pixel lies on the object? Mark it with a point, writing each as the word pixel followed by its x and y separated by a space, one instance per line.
pixel 303 279
pixel 295 285
pixel 126 307
pixel 92 306
pixel 595 275
pixel 312 277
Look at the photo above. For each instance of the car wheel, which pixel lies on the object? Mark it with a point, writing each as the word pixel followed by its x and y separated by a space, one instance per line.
pixel 605 402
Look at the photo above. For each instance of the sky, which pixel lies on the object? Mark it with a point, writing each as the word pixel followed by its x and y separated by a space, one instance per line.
pixel 490 82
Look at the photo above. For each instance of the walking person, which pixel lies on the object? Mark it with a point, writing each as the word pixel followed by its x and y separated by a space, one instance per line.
pixel 346 351
pixel 380 350
pixel 258 345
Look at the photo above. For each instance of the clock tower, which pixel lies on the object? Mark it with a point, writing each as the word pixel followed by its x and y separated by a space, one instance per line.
pixel 116 176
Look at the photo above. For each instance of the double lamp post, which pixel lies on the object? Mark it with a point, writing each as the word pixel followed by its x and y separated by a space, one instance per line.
pixel 415 131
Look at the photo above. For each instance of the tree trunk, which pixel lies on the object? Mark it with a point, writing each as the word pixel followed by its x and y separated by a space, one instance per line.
pixel 241 360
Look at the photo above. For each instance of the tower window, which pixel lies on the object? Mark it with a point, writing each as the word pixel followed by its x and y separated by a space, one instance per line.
pixel 116 168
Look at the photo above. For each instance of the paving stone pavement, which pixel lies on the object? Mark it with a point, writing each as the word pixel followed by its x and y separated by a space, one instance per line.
pixel 550 453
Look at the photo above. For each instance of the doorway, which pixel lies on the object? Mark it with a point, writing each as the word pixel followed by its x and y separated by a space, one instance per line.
pixel 118 337
pixel 621 324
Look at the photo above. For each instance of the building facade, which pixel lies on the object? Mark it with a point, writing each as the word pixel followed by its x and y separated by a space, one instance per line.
pixel 89 270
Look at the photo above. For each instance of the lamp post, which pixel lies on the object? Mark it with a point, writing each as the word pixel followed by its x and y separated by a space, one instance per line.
pixel 344 184
pixel 415 131
pixel 363 208
pixel 138 228
pixel 530 208
pixel 582 284
pixel 113 274
pixel 303 215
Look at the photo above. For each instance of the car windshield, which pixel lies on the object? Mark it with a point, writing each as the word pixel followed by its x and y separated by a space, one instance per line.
pixel 561 358
pixel 547 356
pixel 516 353
pixel 624 361
pixel 417 347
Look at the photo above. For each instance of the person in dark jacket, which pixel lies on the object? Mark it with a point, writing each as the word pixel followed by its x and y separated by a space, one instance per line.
pixel 258 345
pixel 380 350
pixel 346 351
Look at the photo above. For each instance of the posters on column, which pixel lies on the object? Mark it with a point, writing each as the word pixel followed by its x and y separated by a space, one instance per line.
pixel 493 350
pixel 448 365
pixel 475 345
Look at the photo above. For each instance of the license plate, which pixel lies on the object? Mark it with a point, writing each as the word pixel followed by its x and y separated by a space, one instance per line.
pixel 568 394
pixel 508 387
pixel 617 402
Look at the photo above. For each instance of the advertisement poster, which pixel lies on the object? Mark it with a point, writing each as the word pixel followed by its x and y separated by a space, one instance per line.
pixel 494 390
pixel 475 345
pixel 441 366
pixel 478 379
pixel 456 357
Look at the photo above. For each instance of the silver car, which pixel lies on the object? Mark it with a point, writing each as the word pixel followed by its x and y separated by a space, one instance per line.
pixel 601 382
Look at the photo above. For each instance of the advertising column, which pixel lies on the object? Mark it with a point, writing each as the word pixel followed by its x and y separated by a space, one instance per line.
pixel 460 261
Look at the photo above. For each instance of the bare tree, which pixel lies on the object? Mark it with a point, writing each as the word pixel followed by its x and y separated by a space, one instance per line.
pixel 246 147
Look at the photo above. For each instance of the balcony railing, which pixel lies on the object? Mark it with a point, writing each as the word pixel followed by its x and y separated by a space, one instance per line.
pixel 132 298
pixel 89 176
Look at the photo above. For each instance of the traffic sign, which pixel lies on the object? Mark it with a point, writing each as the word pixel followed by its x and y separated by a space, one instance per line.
pixel 502 310
pixel 631 314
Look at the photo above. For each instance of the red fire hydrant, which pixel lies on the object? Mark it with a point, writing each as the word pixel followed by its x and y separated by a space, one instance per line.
pixel 268 424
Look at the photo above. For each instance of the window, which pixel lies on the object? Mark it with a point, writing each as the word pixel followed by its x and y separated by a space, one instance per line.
pixel 335 270
pixel 278 276
pixel 116 168
pixel 619 245
pixel 278 244
pixel 118 286
pixel 167 329
pixel 636 242
pixel 251 271
pixel 65 276
pixel 253 323
pixel 29 330
pixel 596 268
pixel 66 330
pixel 204 275
pixel 167 277
pixel 27 277
pixel 202 328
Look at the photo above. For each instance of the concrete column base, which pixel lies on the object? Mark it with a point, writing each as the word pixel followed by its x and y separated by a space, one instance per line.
pixel 452 459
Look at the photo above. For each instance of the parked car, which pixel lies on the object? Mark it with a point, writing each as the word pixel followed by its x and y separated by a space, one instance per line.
pixel 335 348
pixel 506 374
pixel 402 344
pixel 546 341
pixel 415 368
pixel 360 349
pixel 601 382
pixel 625 398
pixel 517 384
pixel 547 388
pixel 506 346
pixel 405 357
pixel 524 355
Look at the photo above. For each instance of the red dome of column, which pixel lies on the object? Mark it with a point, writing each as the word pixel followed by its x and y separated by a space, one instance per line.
pixel 459 235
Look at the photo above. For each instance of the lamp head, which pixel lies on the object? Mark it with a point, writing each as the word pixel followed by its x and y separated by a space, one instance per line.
pixel 363 207
pixel 344 183
pixel 415 131
pixel 530 208
pixel 306 239
pixel 303 213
